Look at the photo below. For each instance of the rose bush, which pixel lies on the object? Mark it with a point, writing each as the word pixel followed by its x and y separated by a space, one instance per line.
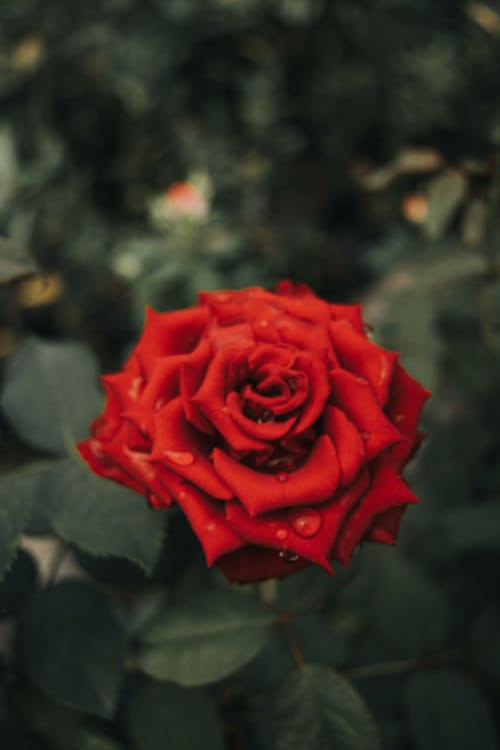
pixel 272 420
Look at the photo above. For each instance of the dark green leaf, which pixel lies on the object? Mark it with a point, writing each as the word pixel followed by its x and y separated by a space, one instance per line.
pixel 100 516
pixel 446 192
pixel 471 529
pixel 50 393
pixel 73 649
pixel 18 584
pixel 58 725
pixel 204 639
pixel 305 589
pixel 318 708
pixel 161 715
pixel 448 711
pixel 15 263
pixel 409 611
pixel 15 508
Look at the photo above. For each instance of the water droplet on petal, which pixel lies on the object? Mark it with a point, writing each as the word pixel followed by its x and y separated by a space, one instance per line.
pixel 226 410
pixel 210 526
pixel 159 403
pixel 289 557
pixel 281 534
pixel 306 522
pixel 263 323
pixel 399 417
pixel 135 387
pixel 282 477
pixel 181 458
pixel 182 494
pixel 361 380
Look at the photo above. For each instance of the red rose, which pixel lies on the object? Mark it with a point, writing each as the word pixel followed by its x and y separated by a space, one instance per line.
pixel 271 420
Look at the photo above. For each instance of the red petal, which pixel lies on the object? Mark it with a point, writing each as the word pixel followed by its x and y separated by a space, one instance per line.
pixel 206 517
pixel 174 435
pixel 388 490
pixel 254 564
pixel 319 390
pixel 192 373
pixel 356 398
pixel 385 528
pixel 273 531
pixel 174 332
pixel 347 441
pixel 362 357
pixel 406 400
pixel 260 430
pixel 351 313
pixel 211 399
pixel 313 482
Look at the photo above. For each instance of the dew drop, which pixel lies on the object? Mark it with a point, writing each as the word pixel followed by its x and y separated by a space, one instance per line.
pixel 361 380
pixel 282 477
pixel 182 494
pixel 210 526
pixel 399 418
pixel 181 458
pixel 135 386
pixel 226 410
pixel 263 323
pixel 306 522
pixel 159 403
pixel 289 557
pixel 281 534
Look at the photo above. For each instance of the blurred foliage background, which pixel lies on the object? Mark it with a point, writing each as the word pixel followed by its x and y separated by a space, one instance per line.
pixel 151 149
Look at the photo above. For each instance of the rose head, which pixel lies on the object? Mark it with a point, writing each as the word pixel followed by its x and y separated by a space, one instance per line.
pixel 274 423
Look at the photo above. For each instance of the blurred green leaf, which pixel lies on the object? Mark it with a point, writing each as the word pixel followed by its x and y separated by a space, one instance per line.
pixel 72 648
pixel 204 639
pixel 161 715
pixel 409 611
pixel 445 193
pixel 318 708
pixel 18 584
pixel 100 516
pixel 15 262
pixel 58 725
pixel 448 711
pixel 50 393
pixel 15 508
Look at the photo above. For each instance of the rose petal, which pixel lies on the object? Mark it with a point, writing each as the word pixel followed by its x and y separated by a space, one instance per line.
pixel 174 439
pixel 385 528
pixel 210 398
pixel 362 357
pixel 273 531
pixel 271 430
pixel 206 517
pixel 193 371
pixel 253 564
pixel 91 450
pixel 388 490
pixel 406 401
pixel 319 390
pixel 347 441
pixel 351 313
pixel 313 482
pixel 357 399
pixel 175 332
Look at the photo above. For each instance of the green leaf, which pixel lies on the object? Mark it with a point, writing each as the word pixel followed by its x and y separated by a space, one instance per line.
pixel 409 611
pixel 15 506
pixel 50 394
pixel 448 711
pixel 471 529
pixel 446 192
pixel 100 516
pixel 18 585
pixel 204 639
pixel 59 725
pixel 15 263
pixel 161 715
pixel 318 708
pixel 73 649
